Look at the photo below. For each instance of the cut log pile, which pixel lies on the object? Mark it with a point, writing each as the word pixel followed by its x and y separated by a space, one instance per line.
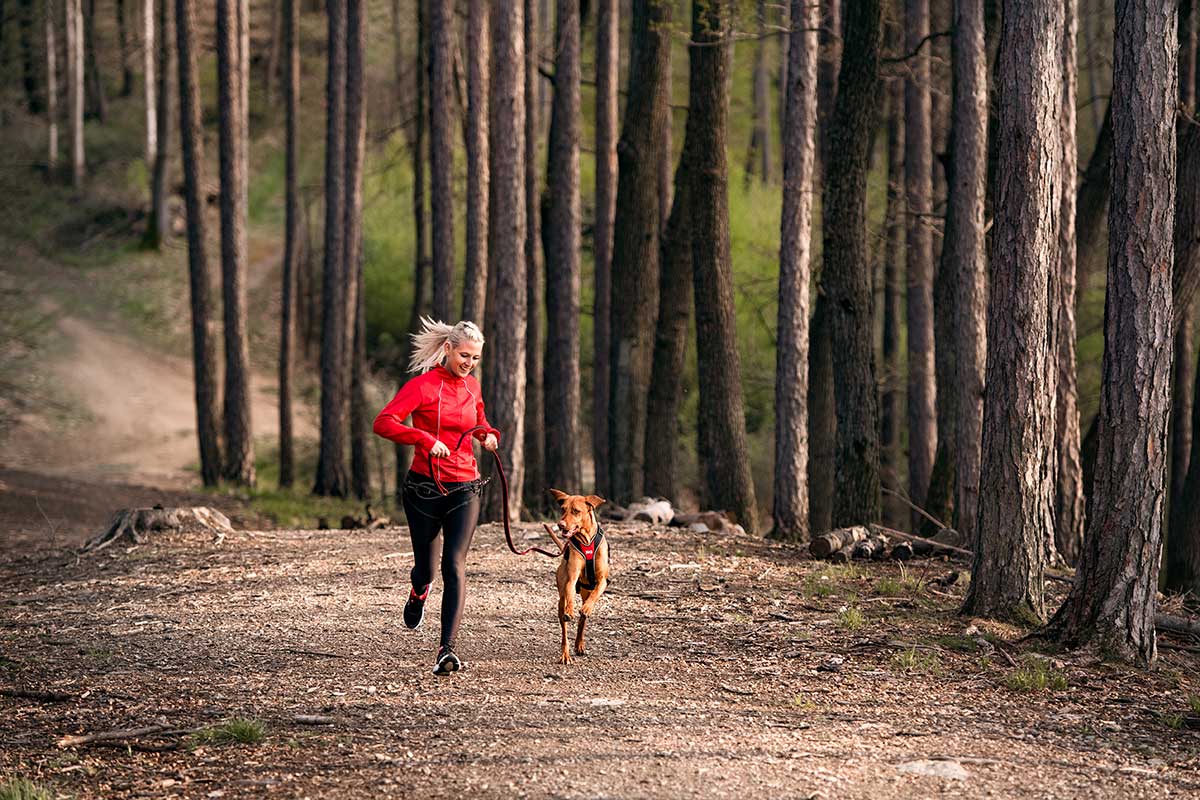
pixel 657 511
pixel 874 542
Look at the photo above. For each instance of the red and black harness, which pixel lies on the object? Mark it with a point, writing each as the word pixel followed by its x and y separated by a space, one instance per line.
pixel 588 579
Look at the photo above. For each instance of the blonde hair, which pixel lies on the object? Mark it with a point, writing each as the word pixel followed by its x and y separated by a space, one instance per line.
pixel 429 343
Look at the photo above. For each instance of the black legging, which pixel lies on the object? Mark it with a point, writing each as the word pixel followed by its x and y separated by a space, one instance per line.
pixel 454 516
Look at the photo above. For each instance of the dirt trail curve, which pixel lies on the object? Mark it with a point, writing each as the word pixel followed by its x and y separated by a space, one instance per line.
pixel 716 668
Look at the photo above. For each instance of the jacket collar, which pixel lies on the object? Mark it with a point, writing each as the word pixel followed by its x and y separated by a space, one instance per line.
pixel 446 374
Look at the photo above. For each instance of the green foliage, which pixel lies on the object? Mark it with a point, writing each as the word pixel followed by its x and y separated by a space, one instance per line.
pixel 238 730
pixel 23 789
pixel 1172 721
pixel 851 618
pixel 1194 703
pixel 1035 675
pixel 959 644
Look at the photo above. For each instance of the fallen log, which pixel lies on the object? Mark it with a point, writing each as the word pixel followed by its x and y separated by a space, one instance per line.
pixel 903 551
pixel 844 555
pixel 829 543
pixel 1185 625
pixel 110 736
pixel 873 548
pixel 658 512
pixel 34 694
pixel 132 523
pixel 933 547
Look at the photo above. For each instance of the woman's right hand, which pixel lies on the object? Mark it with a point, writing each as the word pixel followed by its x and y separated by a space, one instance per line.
pixel 439 450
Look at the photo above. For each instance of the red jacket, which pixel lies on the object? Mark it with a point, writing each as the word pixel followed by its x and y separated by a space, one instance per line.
pixel 442 405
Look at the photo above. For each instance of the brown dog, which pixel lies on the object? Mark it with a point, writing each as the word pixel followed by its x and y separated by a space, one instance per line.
pixel 584 563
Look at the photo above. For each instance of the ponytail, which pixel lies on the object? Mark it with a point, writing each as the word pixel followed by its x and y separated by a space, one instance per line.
pixel 429 343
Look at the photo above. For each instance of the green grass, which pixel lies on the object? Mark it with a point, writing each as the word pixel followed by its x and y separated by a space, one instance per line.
pixel 1194 703
pixel 238 730
pixel 959 644
pixel 916 661
pixel 851 618
pixel 1035 675
pixel 23 789
pixel 1172 721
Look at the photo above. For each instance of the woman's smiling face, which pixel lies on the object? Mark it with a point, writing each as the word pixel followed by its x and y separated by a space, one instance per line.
pixel 461 358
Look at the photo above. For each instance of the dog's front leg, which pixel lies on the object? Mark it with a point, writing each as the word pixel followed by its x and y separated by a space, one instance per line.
pixel 589 603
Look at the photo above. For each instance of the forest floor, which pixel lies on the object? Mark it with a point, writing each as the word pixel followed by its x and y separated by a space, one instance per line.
pixel 717 667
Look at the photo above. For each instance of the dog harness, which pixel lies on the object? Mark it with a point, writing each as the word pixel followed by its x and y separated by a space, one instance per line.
pixel 588 579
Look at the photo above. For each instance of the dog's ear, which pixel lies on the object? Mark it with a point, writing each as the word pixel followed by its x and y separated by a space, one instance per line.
pixel 559 496
pixel 594 501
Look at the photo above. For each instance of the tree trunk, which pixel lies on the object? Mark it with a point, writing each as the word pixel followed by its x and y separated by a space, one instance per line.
pixel 758 157
pixel 827 73
pixel 441 154
pixel 847 277
pixel 895 512
pixel 602 232
pixel 1112 604
pixel 354 344
pixel 1068 496
pixel 504 370
pixel 562 240
pixel 123 43
pixel 204 342
pixel 1016 505
pixel 149 84
pixel 97 97
pixel 964 253
pixel 1183 545
pixel 291 97
pixel 822 420
pixel 670 343
pixel 75 89
pixel 1091 21
pixel 51 93
pixel 918 192
pixel 29 71
pixel 1187 57
pixel 1180 427
pixel 635 266
pixel 271 67
pixel 158 226
pixel 475 280
pixel 790 506
pixel 331 478
pixel 239 445
pixel 722 442
pixel 535 293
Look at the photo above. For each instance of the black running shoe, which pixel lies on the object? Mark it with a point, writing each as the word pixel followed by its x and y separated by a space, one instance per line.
pixel 447 662
pixel 414 609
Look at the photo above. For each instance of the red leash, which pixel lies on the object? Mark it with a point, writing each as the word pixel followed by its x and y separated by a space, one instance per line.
pixel 562 545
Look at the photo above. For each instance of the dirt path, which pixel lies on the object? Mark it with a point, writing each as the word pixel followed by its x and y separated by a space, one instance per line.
pixel 717 668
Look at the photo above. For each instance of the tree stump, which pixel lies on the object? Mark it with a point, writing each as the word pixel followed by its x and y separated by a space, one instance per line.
pixel 132 523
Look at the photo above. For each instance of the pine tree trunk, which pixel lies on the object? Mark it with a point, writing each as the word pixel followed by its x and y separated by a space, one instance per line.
pixel 150 85
pixel 475 280
pixel 204 342
pixel 51 92
pixel 287 326
pixel 827 74
pixel 722 445
pixel 758 157
pixel 29 70
pixel 790 506
pixel 441 153
pixel 158 227
pixel 846 280
pixel 1016 506
pixel 670 344
pixel 607 61
pixel 635 253
pixel 536 496
pixel 360 413
pixel 895 513
pixel 964 252
pixel 822 421
pixel 271 67
pixel 75 89
pixel 1068 495
pixel 356 131
pixel 563 280
pixel 1112 604
pixel 918 191
pixel 97 96
pixel 1180 427
pixel 239 446
pixel 1183 544
pixel 504 369
pixel 1091 203
pixel 1187 57
pixel 123 43
pixel 331 478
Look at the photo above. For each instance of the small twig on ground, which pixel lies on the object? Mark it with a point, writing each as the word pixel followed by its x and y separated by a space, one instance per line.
pixel 734 690
pixel 34 694
pixel 111 736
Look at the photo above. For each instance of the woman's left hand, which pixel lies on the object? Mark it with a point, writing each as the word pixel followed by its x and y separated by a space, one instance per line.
pixel 490 442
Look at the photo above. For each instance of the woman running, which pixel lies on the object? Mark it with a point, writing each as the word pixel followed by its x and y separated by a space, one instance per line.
pixel 444 401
